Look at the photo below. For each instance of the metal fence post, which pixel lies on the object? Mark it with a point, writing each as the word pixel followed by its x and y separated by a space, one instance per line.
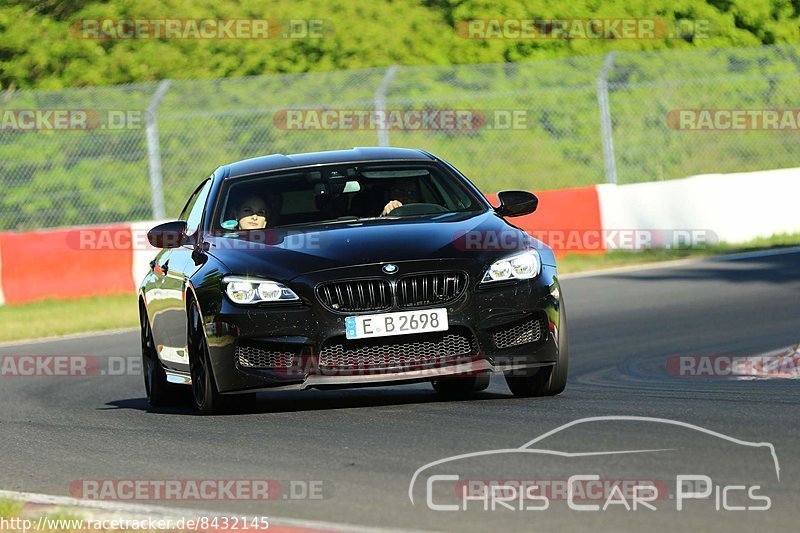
pixel 380 102
pixel 605 119
pixel 154 152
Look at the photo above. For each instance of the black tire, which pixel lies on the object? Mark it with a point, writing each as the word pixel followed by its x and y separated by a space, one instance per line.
pixel 205 395
pixel 550 380
pixel 207 399
pixel 160 393
pixel 461 385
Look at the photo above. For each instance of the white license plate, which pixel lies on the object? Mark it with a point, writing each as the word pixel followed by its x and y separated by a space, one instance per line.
pixel 402 323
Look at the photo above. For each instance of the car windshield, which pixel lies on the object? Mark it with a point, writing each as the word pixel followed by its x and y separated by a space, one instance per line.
pixel 325 194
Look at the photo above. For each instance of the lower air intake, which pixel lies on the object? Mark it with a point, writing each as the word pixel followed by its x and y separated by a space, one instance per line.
pixel 529 331
pixel 254 357
pixel 417 350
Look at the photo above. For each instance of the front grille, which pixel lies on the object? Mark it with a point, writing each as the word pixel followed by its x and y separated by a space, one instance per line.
pixel 256 357
pixel 417 350
pixel 356 295
pixel 525 332
pixel 434 288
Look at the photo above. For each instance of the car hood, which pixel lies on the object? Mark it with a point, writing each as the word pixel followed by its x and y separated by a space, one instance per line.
pixel 289 252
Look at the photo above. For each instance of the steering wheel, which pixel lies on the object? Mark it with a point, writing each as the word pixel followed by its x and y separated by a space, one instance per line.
pixel 418 209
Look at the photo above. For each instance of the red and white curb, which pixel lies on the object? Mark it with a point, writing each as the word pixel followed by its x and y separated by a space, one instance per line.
pixel 733 208
pixel 2 296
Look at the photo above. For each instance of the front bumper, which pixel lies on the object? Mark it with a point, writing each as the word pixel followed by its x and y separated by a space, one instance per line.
pixel 302 331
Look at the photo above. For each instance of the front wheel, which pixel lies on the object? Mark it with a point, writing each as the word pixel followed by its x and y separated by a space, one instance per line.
pixel 207 399
pixel 206 396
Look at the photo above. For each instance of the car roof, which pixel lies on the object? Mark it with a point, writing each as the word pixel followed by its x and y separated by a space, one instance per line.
pixel 280 161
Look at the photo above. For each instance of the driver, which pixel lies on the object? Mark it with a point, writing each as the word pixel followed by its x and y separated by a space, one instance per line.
pixel 251 213
pixel 403 191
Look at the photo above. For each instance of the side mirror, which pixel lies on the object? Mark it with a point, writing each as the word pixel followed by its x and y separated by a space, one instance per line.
pixel 168 235
pixel 516 203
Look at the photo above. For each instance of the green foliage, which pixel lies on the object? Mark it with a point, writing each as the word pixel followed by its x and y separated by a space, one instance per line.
pixel 37 49
pixel 52 178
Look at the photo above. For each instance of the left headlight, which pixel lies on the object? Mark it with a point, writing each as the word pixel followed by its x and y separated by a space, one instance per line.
pixel 526 265
pixel 242 290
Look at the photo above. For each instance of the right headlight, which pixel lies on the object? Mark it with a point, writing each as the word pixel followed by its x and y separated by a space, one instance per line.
pixel 241 290
pixel 526 265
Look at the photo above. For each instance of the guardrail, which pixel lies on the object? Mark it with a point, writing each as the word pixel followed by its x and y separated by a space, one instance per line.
pixel 735 208
pixel 113 154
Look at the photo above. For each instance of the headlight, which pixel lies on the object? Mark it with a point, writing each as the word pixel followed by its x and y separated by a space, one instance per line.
pixel 521 266
pixel 252 291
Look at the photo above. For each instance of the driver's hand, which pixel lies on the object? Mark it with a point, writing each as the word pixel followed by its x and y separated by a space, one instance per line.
pixel 391 206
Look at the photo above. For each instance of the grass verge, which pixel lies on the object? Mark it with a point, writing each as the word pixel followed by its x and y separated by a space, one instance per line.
pixel 10 508
pixel 61 317
pixel 572 263
pixel 46 318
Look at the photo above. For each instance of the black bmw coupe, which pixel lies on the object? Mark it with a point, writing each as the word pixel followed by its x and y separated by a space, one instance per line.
pixel 348 268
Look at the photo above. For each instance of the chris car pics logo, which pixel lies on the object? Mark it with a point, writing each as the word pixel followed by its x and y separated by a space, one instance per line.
pixel 444 488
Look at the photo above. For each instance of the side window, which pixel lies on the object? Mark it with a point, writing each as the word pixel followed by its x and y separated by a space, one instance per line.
pixel 193 212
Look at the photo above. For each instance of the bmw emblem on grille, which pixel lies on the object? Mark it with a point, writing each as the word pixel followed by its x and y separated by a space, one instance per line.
pixel 390 268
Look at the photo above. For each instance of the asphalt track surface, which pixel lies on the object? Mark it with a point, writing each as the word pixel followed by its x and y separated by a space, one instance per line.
pixel 364 445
